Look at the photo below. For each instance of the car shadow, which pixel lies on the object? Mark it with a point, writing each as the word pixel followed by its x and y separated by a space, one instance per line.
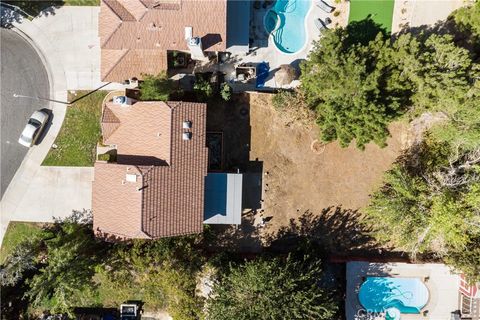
pixel 46 127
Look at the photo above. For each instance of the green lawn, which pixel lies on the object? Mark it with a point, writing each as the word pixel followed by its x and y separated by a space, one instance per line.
pixel 80 132
pixel 381 11
pixel 16 233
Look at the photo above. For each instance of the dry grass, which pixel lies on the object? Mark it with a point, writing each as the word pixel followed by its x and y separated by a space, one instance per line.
pixel 299 179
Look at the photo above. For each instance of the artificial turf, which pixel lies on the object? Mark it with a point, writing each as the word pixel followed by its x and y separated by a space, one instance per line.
pixel 381 11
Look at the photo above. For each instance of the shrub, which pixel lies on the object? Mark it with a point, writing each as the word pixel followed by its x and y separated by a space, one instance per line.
pixel 203 89
pixel 226 92
pixel 156 88
pixel 271 289
pixel 283 99
pixel 103 157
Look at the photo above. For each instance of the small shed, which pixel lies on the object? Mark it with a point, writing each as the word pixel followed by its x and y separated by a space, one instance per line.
pixel 223 198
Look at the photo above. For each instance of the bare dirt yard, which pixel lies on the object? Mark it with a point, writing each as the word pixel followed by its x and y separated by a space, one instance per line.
pixel 306 188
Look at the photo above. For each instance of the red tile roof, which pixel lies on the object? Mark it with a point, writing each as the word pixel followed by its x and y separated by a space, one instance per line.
pixel 139 197
pixel 120 65
pixel 150 25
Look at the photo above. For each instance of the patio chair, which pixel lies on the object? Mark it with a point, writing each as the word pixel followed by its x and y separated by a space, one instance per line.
pixel 322 25
pixel 324 6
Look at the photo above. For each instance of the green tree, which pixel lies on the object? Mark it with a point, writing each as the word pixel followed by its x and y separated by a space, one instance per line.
pixel 203 89
pixel 67 265
pixel 156 88
pixel 226 92
pixel 22 259
pixel 271 289
pixel 469 18
pixel 355 86
pixel 430 203
pixel 161 273
pixel 444 77
pixel 467 259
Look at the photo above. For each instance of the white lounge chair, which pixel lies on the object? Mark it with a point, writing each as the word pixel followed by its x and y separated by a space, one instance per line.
pixel 324 6
pixel 322 25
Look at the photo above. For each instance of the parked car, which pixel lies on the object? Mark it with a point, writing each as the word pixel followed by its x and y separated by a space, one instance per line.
pixel 33 129
pixel 322 25
pixel 324 6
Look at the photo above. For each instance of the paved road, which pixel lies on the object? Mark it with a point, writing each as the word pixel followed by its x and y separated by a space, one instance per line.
pixel 22 72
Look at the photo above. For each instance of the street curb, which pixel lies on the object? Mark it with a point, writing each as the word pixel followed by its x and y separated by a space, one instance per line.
pixel 58 91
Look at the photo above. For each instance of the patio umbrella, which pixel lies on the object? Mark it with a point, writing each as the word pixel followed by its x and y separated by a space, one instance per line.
pixel 285 75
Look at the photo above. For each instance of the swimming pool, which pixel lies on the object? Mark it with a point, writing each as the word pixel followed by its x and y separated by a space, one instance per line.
pixel 286 23
pixel 407 295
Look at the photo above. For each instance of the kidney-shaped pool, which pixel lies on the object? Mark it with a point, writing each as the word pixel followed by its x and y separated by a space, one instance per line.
pixel 408 295
pixel 286 23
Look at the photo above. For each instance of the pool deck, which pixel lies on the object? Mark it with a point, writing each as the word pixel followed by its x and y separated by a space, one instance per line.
pixel 263 48
pixel 441 282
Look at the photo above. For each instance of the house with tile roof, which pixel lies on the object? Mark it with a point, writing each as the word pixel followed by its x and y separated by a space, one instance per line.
pixel 158 186
pixel 135 35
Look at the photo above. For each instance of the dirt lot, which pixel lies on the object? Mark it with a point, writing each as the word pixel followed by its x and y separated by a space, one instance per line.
pixel 299 179
pixel 319 189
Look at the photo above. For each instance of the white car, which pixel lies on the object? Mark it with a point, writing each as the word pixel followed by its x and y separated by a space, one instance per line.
pixel 34 127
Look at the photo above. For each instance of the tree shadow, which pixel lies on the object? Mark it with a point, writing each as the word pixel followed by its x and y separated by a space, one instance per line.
pixel 35 8
pixel 211 39
pixel 363 31
pixel 462 36
pixel 244 238
pixel 9 16
pixel 339 231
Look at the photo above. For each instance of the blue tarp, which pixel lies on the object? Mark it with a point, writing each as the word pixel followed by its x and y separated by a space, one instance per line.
pixel 262 74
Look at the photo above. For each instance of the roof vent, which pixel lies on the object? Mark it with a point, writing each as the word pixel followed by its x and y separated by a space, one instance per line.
pixel 187 124
pixel 131 177
pixel 187 136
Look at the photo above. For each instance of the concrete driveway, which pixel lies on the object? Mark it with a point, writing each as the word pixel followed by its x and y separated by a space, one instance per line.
pixel 22 72
pixel 67 39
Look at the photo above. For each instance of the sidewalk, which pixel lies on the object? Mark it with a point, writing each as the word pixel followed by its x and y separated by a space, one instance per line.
pixel 68 43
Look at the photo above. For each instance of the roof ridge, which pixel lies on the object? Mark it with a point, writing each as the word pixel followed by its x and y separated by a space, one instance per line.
pixel 114 118
pixel 111 35
pixel 116 63
pixel 115 5
pixel 115 124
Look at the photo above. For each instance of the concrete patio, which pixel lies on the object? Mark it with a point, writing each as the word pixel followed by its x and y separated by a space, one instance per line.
pixel 263 48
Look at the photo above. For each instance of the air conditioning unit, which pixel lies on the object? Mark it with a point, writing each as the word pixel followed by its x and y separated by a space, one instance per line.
pixel 122 100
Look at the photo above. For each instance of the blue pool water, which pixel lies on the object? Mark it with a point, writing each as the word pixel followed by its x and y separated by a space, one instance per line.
pixel 408 295
pixel 286 22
